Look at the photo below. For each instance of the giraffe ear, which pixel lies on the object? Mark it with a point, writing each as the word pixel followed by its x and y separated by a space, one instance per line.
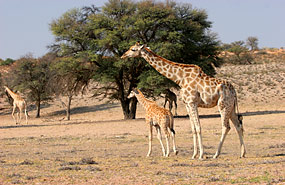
pixel 142 46
pixel 136 90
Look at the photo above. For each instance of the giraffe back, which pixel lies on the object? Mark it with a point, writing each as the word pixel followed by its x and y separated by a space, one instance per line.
pixel 159 116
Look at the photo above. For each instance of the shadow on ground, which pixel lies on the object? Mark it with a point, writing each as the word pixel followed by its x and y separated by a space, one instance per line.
pixel 84 109
pixel 244 114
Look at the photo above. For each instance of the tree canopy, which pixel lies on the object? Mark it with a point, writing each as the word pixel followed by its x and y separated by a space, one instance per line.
pixel 101 35
pixel 32 76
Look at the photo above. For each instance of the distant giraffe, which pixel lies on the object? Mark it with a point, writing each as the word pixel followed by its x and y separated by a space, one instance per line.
pixel 171 98
pixel 18 102
pixel 197 90
pixel 159 118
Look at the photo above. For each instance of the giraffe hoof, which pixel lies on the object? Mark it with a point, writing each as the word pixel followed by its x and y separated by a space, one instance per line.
pixel 215 156
pixel 176 152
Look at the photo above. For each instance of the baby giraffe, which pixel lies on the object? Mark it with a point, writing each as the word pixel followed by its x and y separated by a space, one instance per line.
pixel 159 118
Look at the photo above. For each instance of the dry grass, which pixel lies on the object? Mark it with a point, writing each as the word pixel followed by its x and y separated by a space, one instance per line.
pixel 117 156
pixel 98 147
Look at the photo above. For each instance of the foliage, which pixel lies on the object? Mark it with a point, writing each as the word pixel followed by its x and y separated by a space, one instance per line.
pixel 240 51
pixel 252 42
pixel 8 61
pixel 176 32
pixel 32 76
pixel 71 77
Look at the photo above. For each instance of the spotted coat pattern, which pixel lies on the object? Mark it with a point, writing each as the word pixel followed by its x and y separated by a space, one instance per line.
pixel 197 90
pixel 159 118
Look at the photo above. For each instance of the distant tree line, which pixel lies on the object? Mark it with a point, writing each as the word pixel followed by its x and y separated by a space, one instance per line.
pixel 242 51
pixel 90 40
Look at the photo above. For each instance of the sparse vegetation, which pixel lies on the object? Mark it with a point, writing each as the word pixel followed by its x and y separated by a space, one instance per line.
pixel 99 147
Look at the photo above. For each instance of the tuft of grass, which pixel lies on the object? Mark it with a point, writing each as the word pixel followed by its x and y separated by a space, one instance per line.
pixel 27 162
pixel 83 161
pixel 92 169
pixel 277 146
pixel 69 168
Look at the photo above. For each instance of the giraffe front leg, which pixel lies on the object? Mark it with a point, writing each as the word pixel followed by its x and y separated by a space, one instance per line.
pixel 195 119
pixel 195 148
pixel 13 112
pixel 149 140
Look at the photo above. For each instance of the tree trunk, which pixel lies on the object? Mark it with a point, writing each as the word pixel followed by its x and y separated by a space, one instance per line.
pixel 68 107
pixel 129 108
pixel 38 108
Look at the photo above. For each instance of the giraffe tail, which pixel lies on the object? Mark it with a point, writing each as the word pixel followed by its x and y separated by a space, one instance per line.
pixel 171 119
pixel 239 115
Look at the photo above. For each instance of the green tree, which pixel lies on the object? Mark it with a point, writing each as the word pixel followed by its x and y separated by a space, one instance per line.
pixel 71 77
pixel 31 76
pixel 241 54
pixel 8 61
pixel 176 32
pixel 252 43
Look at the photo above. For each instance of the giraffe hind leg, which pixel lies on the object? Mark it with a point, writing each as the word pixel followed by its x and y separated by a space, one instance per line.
pixel 225 111
pixel 26 114
pixel 239 127
pixel 173 141
pixel 159 137
pixel 225 130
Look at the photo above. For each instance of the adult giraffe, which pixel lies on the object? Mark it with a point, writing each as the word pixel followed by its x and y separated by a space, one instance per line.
pixel 197 90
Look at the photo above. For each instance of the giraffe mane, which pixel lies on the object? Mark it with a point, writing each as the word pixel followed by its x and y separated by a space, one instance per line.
pixel 168 61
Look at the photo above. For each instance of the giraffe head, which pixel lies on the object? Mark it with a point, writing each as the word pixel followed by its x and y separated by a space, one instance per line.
pixel 134 51
pixel 5 87
pixel 133 93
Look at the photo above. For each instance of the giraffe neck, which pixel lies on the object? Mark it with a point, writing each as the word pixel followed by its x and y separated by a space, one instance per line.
pixel 11 93
pixel 143 101
pixel 171 70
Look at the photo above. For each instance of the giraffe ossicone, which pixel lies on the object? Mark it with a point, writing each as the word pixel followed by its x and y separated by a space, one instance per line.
pixel 197 90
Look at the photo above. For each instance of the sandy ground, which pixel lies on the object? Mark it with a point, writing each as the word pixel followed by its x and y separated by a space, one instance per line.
pixel 98 147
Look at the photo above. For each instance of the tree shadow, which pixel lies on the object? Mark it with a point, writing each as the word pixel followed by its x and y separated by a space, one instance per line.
pixel 85 109
pixel 244 114
pixel 31 107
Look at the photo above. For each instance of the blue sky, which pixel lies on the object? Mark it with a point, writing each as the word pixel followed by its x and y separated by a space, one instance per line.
pixel 24 24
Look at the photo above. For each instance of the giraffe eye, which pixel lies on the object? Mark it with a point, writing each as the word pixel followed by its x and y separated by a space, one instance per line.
pixel 133 49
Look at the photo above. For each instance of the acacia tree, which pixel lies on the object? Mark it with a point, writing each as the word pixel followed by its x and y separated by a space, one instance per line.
pixel 32 76
pixel 177 32
pixel 252 42
pixel 71 77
